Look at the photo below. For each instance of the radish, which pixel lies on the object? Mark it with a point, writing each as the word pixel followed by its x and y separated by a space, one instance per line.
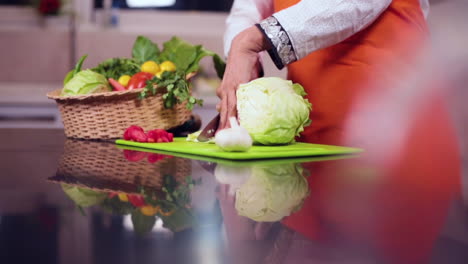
pixel 117 86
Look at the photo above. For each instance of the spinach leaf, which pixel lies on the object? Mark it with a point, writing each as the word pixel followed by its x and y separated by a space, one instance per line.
pixel 200 54
pixel 219 65
pixel 187 57
pixel 180 52
pixel 144 50
pixel 170 48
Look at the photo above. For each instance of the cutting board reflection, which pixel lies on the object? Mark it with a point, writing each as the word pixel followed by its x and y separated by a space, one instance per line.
pixel 180 145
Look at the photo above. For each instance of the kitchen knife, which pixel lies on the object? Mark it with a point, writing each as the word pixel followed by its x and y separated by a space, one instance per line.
pixel 210 129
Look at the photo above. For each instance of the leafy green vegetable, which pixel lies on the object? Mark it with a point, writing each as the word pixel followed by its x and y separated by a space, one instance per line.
pixel 175 87
pixel 179 192
pixel 81 196
pixel 142 224
pixel 200 53
pixel 220 65
pixel 77 69
pixel 81 210
pixel 175 194
pixel 144 50
pixel 180 52
pixel 272 192
pixel 79 64
pixel 177 199
pixel 299 89
pixel 181 219
pixel 116 67
pixel 85 82
pixel 174 200
pixel 279 104
pixel 186 57
pixel 68 77
pixel 117 207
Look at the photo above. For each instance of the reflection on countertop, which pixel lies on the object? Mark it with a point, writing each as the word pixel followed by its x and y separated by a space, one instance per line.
pixel 146 207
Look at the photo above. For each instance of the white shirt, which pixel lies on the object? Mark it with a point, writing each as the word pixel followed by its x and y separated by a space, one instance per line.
pixel 310 24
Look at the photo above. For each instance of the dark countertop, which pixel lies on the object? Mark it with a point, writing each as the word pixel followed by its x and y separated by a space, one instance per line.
pixel 341 210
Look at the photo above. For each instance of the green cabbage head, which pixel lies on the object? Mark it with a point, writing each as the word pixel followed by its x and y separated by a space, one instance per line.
pixel 83 197
pixel 272 192
pixel 273 110
pixel 86 82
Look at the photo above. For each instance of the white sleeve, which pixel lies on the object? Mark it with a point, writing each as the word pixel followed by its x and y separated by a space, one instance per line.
pixel 425 7
pixel 314 24
pixel 244 14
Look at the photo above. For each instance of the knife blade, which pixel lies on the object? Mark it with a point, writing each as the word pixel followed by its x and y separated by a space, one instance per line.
pixel 210 129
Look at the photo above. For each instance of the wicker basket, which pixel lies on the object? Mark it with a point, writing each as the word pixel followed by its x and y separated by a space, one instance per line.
pixel 102 166
pixel 107 115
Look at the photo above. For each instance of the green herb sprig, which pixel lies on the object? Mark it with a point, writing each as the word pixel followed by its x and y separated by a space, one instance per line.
pixel 116 67
pixel 176 89
pixel 176 194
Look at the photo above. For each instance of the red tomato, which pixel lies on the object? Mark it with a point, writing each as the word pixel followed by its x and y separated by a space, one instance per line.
pixel 138 80
pixel 133 155
pixel 136 200
pixel 154 157
pixel 159 135
pixel 135 133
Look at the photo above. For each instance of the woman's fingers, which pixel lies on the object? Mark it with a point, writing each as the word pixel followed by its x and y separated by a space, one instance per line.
pixel 223 112
pixel 219 91
pixel 228 108
pixel 242 66
pixel 232 104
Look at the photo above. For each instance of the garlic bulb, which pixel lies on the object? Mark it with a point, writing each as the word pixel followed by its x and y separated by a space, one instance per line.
pixel 235 138
pixel 234 176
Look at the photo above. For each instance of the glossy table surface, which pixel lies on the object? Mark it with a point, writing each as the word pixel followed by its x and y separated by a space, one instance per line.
pixel 69 201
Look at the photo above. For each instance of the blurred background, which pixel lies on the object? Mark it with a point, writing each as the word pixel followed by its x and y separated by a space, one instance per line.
pixel 39 45
pixel 42 39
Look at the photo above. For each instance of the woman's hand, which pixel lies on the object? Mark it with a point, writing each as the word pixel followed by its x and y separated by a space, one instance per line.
pixel 242 66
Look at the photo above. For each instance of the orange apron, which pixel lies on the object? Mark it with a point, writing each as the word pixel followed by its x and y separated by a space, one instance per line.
pixel 334 76
pixel 406 202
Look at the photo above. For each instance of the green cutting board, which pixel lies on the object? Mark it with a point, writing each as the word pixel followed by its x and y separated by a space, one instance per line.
pixel 243 163
pixel 296 150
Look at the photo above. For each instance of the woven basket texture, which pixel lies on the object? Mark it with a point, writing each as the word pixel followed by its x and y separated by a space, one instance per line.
pixel 107 115
pixel 102 166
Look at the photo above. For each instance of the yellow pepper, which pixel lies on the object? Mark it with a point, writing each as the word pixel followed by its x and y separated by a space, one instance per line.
pixel 123 197
pixel 149 210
